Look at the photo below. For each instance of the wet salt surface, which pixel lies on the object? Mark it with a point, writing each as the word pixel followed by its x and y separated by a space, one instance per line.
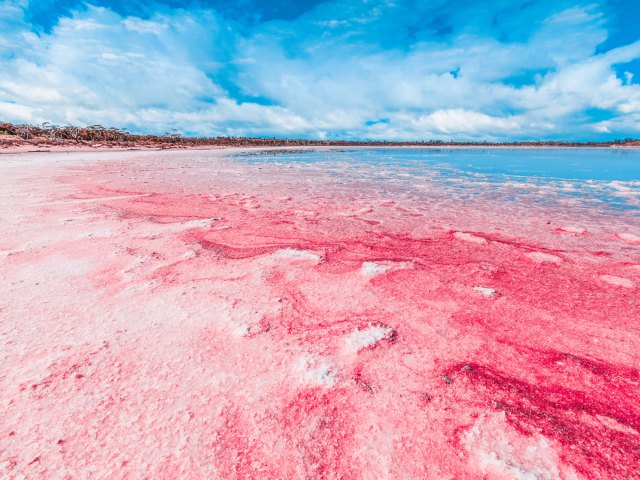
pixel 589 175
pixel 185 315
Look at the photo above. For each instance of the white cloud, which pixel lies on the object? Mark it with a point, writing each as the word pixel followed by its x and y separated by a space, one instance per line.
pixel 326 73
pixel 461 121
pixel 15 112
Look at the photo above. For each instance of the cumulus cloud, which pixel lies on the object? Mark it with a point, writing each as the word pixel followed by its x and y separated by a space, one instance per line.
pixel 376 69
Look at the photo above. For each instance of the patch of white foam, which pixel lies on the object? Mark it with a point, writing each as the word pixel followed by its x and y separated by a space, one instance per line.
pixel 315 371
pixel 499 451
pixel 468 237
pixel 486 291
pixel 294 254
pixel 541 257
pixel 617 281
pixel 629 237
pixel 359 339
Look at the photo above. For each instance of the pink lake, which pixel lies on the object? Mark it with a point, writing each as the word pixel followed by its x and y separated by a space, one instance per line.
pixel 191 314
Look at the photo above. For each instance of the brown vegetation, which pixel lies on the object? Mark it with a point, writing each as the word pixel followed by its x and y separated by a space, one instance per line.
pixel 99 136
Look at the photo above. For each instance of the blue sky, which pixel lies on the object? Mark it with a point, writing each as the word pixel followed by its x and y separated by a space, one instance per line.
pixel 369 69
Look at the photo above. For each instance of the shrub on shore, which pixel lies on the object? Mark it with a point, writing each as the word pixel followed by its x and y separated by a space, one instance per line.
pixel 97 135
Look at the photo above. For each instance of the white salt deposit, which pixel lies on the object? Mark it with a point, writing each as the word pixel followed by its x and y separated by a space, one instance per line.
pixel 621 186
pixel 315 371
pixel 617 281
pixel 486 291
pixel 573 229
pixel 468 237
pixel 359 339
pixel 629 237
pixel 372 269
pixel 541 257
pixel 96 234
pixel 294 254
pixel 200 223
pixel 498 451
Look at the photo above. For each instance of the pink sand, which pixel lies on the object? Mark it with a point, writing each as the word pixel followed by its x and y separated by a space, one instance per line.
pixel 181 315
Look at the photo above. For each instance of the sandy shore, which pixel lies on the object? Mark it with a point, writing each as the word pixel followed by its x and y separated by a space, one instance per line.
pixel 27 148
pixel 179 314
pixel 9 147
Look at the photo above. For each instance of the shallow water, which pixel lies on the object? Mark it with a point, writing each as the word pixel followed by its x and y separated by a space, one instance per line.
pixel 591 175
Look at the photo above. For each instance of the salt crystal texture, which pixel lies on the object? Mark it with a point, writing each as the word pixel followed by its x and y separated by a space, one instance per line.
pixel 496 449
pixel 366 337
pixel 372 269
pixel 298 255
pixel 468 237
pixel 629 237
pixel 573 229
pixel 617 281
pixel 177 346
pixel 486 291
pixel 542 257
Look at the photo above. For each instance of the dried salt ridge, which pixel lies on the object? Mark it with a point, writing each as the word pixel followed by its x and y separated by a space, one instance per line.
pixel 193 322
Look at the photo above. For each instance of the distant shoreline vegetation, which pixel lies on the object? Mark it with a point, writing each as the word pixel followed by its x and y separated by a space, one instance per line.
pixel 97 135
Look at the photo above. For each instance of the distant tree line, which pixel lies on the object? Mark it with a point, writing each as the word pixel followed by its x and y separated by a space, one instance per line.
pixel 48 133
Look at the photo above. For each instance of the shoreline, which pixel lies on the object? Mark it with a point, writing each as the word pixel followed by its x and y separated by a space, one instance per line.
pixel 25 149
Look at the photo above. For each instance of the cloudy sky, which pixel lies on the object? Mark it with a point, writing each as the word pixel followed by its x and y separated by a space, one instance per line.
pixel 367 69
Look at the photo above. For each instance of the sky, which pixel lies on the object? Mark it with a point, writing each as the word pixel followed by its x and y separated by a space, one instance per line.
pixel 496 70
